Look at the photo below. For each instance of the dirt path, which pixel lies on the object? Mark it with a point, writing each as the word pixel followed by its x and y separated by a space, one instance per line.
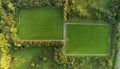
pixel 118 60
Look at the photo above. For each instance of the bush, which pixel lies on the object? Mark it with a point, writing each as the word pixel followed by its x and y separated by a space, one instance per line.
pixel 44 58
pixel 32 64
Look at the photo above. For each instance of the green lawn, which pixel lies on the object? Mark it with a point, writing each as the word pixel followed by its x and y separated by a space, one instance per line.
pixel 24 57
pixel 94 3
pixel 41 23
pixel 87 39
pixel 83 20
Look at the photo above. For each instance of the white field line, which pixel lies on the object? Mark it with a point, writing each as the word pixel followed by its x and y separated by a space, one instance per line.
pixel 110 39
pixel 66 39
pixel 65 31
pixel 86 24
pixel 110 44
pixel 39 39
pixel 87 54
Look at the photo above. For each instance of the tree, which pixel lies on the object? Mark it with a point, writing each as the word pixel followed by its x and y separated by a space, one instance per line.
pixel 71 2
pixel 66 10
pixel 3 41
pixel 6 29
pixel 33 64
pixel 110 63
pixel 5 56
pixel 5 61
pixel 13 30
pixel 81 11
pixel 17 41
pixel 44 58
pixel 11 6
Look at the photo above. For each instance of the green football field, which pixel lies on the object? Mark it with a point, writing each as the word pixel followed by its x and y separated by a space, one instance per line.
pixel 41 23
pixel 87 39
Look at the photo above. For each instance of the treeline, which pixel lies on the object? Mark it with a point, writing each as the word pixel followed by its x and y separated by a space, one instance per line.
pixel 7 23
pixel 114 6
pixel 5 57
pixel 43 43
pixel 38 3
pixel 21 4
pixel 75 10
pixel 81 62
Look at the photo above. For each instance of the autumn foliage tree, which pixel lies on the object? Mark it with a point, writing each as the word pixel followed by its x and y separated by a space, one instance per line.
pixel 5 56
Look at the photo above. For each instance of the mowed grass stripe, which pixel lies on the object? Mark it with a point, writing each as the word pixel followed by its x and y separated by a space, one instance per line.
pixel 88 39
pixel 41 23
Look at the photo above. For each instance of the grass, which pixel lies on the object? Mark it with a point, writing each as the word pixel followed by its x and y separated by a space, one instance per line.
pixel 94 3
pixel 41 23
pixel 87 39
pixel 24 57
pixel 83 20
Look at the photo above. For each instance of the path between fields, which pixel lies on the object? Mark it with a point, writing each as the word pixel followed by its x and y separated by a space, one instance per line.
pixel 118 60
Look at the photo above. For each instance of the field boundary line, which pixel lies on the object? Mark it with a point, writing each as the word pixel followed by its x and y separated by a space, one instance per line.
pixel 62 39
pixel 65 38
pixel 86 24
pixel 65 30
pixel 87 54
pixel 110 39
pixel 40 39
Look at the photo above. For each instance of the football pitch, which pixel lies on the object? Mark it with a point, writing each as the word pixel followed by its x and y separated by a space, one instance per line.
pixel 87 39
pixel 48 24
pixel 41 24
